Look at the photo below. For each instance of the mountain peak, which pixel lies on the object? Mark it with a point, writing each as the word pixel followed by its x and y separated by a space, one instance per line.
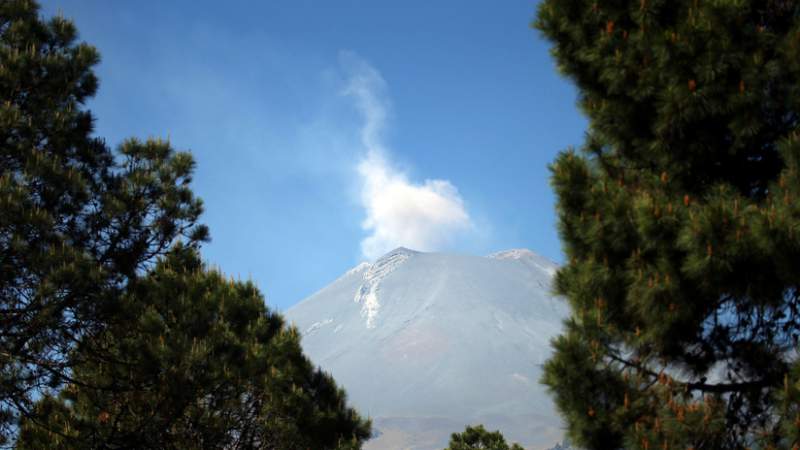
pixel 400 250
pixel 425 342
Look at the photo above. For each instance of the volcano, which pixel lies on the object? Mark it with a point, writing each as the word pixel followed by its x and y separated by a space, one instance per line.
pixel 427 343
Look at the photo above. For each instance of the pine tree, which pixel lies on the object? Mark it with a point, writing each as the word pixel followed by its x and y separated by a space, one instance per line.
pixel 77 221
pixel 477 438
pixel 112 332
pixel 680 219
pixel 195 361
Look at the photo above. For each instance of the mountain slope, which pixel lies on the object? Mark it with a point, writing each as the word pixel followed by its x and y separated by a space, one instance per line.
pixel 426 343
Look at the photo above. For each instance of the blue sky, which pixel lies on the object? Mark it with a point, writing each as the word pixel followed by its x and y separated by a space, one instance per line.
pixel 326 133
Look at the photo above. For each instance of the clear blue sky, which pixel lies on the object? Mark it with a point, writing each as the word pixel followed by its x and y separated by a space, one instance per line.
pixel 328 132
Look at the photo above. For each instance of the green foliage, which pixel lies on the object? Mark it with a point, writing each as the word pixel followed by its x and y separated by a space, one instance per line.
pixel 681 223
pixel 477 437
pixel 195 361
pixel 77 222
pixel 112 332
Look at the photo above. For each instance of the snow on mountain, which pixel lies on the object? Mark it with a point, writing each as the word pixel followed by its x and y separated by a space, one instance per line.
pixel 367 294
pixel 426 343
pixel 528 257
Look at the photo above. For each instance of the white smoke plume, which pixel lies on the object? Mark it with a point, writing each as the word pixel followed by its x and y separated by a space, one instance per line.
pixel 423 216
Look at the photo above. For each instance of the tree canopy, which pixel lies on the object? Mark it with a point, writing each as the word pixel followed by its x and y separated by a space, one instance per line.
pixel 78 221
pixel 195 361
pixel 478 438
pixel 680 221
pixel 113 334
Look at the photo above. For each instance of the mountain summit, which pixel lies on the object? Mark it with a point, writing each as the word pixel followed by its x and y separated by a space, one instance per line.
pixel 426 343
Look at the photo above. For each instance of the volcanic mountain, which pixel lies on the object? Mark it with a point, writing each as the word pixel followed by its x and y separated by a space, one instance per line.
pixel 426 343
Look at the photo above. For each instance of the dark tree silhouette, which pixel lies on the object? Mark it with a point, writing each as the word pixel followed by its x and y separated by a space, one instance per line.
pixel 680 221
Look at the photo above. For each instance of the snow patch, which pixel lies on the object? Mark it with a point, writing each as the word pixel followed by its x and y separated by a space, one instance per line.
pixel 498 322
pixel 521 378
pixel 524 254
pixel 359 269
pixel 367 293
pixel 550 270
pixel 515 253
pixel 317 325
